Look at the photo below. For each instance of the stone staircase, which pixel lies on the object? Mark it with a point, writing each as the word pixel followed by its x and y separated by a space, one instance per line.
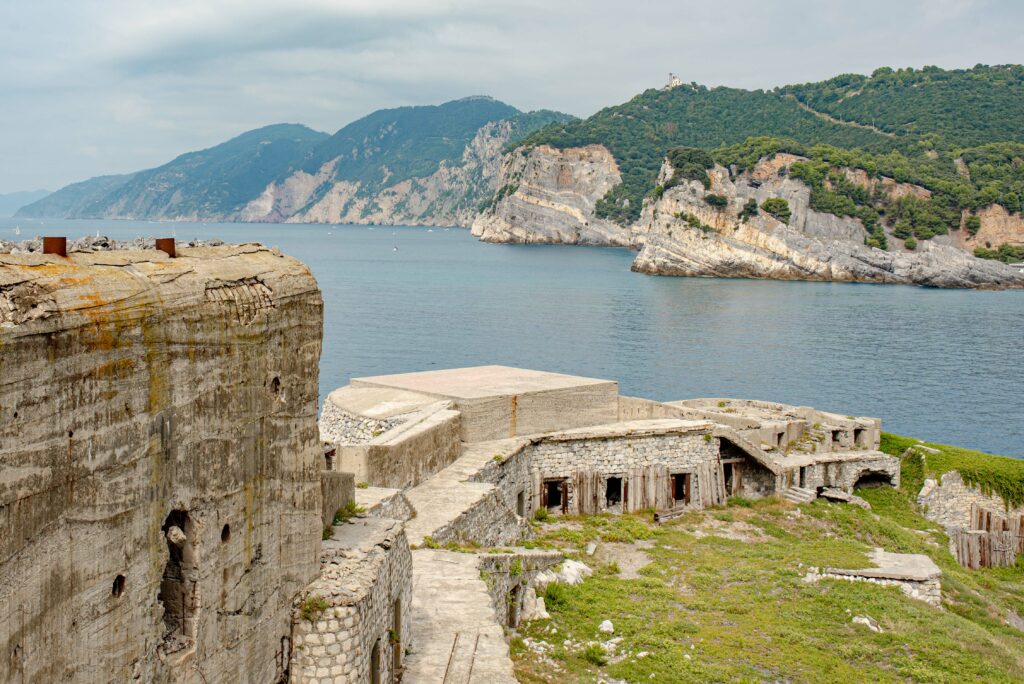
pixel 799 495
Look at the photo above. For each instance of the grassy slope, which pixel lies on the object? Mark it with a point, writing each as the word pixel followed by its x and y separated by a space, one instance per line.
pixel 710 608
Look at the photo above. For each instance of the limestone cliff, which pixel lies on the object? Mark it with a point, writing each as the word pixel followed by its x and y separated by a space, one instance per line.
pixel 998 227
pixel 548 196
pixel 448 197
pixel 682 234
pixel 159 463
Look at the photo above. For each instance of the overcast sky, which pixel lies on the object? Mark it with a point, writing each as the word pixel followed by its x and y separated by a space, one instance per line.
pixel 111 86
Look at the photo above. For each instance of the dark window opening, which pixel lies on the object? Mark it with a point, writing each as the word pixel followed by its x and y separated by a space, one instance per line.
pixel 873 479
pixel 513 607
pixel 521 503
pixel 179 594
pixel 803 476
pixel 780 439
pixel 225 533
pixel 858 436
pixel 375 663
pixel 613 491
pixel 396 639
pixel 835 436
pixel 681 488
pixel 554 495
pixel 275 386
pixel 118 587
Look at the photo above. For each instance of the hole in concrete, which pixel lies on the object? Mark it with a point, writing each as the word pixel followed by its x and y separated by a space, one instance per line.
pixel 275 386
pixel 521 503
pixel 780 439
pixel 858 436
pixel 118 588
pixel 225 533
pixel 178 586
pixel 835 436
pixel 15 414
pixel 71 433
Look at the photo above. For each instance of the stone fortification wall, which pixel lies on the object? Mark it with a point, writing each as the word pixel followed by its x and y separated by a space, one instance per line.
pixel 510 473
pixel 352 622
pixel 408 454
pixel 338 489
pixel 843 472
pixel 159 463
pixel 507 575
pixel 488 522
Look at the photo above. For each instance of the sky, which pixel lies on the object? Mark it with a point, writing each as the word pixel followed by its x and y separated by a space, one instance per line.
pixel 114 86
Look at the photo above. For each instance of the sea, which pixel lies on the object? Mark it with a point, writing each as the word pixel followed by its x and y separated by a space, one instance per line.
pixel 940 365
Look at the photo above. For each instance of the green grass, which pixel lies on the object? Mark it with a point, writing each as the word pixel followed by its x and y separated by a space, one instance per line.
pixel 711 608
pixel 998 475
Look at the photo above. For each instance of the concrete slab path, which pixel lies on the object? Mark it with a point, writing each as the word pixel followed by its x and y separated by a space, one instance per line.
pixel 456 638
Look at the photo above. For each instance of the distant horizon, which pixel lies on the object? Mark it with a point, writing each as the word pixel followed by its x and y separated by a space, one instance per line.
pixel 122 86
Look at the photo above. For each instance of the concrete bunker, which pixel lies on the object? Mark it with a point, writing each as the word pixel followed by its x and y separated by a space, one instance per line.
pixel 873 478
pixel 742 474
pixel 179 593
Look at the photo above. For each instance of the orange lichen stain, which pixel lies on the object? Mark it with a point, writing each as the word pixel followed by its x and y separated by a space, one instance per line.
pixel 116 368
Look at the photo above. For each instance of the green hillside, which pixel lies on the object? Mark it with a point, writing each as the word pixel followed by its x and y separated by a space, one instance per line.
pixel 903 118
pixel 966 107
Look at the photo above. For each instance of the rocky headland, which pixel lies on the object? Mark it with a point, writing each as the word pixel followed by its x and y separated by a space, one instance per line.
pixel 688 229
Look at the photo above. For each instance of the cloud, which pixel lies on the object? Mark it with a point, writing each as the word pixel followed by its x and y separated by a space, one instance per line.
pixel 140 81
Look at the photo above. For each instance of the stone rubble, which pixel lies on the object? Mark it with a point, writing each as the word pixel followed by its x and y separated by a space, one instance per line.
pixel 98 243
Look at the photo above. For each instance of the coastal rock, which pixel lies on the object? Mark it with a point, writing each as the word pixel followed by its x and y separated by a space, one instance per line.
pixel 811 246
pixel 548 196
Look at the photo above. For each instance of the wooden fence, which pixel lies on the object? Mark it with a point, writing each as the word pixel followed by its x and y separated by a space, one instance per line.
pixel 993 540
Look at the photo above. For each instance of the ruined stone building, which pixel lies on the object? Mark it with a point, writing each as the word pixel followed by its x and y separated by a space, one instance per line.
pixel 171 511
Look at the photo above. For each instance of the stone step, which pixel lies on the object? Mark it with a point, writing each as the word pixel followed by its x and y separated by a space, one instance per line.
pixel 799 495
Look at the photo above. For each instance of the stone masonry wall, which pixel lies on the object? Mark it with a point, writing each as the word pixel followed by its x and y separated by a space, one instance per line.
pixel 948 502
pixel 508 574
pixel 144 398
pixel 363 589
pixel 844 474
pixel 489 522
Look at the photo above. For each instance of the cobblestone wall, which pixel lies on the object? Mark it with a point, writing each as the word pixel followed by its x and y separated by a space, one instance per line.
pixel 365 591
pixel 338 426
pixel 489 522
pixel 845 474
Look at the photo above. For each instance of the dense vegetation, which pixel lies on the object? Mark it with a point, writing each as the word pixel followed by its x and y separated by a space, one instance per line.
pixel 639 132
pixel 964 106
pixel 718 595
pixel 958 181
pixel 957 133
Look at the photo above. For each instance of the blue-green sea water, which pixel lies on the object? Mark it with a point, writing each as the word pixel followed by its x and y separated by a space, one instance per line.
pixel 941 365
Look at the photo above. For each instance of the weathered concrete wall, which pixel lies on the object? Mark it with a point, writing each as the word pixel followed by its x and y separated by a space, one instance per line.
pixel 134 385
pixel 488 522
pixel 843 472
pixel 338 489
pixel 366 589
pixel 408 454
pixel 508 574
pixel 948 501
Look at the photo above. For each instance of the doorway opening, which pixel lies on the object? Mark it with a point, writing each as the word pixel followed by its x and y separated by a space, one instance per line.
pixel 613 492
pixel 554 496
pixel 521 503
pixel 681 488
pixel 727 473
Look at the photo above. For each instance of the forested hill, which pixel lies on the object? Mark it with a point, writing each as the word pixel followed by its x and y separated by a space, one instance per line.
pixel 965 107
pixel 914 112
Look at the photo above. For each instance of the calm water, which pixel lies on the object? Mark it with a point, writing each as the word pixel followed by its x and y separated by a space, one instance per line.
pixel 945 366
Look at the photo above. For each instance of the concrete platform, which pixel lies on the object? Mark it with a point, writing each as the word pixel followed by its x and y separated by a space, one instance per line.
pixel 378 402
pixel 499 402
pixel 456 638
pixel 912 567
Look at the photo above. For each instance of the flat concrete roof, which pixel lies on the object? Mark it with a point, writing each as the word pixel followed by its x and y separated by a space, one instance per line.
pixel 916 567
pixel 378 402
pixel 479 381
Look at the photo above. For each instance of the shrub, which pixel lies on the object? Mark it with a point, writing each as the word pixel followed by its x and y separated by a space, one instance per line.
pixel 312 607
pixel 595 654
pixel 777 207
pixel 749 210
pixel 973 225
pixel 716 201
pixel 541 514
pixel 910 243
pixel 556 596
pixel 350 510
pixel 362 485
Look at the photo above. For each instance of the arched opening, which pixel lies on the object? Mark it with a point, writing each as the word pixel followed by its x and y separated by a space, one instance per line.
pixel 118 587
pixel 513 606
pixel 179 595
pixel 225 534
pixel 375 663
pixel 873 478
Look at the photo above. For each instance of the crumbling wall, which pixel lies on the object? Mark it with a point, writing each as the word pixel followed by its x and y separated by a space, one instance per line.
pixel 158 438
pixel 507 575
pixel 948 501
